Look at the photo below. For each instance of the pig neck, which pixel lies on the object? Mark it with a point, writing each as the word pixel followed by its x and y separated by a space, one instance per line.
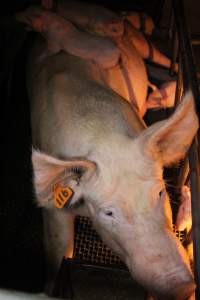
pixel 109 119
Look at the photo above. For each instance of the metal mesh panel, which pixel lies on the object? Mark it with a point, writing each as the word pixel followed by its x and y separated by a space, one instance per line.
pixel 89 248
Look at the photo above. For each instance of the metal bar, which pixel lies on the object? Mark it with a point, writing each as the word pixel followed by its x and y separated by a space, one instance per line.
pixel 195 42
pixel 190 81
pixel 179 83
pixel 174 53
pixel 171 23
pixel 195 39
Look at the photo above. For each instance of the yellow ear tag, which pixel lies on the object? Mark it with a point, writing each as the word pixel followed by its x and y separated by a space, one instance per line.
pixel 61 195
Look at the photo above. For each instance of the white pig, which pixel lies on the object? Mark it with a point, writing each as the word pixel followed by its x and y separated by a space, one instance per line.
pixel 88 139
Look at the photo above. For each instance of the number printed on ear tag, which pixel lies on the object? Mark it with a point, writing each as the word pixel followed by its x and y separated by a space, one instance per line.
pixel 61 195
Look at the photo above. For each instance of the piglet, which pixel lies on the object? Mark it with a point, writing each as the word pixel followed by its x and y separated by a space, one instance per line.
pixel 95 18
pixel 60 34
pixel 162 97
pixel 140 21
pixel 145 47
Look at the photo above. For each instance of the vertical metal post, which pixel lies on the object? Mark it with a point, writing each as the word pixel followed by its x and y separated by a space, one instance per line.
pixel 179 87
pixel 190 81
pixel 174 53
pixel 171 22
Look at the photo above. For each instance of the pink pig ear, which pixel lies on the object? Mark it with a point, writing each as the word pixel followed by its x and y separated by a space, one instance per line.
pixel 170 139
pixel 47 169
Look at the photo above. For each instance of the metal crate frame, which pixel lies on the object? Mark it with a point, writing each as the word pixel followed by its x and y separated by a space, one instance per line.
pixel 187 80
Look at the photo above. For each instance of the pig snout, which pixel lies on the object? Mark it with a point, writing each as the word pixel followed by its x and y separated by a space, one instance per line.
pixel 165 272
pixel 176 284
pixel 179 291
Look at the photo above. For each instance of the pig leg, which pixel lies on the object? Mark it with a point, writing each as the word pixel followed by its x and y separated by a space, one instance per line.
pixel 145 47
pixel 60 34
pixel 58 242
pixel 163 97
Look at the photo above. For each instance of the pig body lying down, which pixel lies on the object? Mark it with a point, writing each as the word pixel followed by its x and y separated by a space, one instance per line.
pixel 88 139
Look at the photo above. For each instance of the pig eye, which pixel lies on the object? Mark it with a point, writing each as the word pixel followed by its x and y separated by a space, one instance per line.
pixel 109 213
pixel 161 192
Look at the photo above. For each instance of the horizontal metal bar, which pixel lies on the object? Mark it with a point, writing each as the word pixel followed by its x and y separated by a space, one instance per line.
pixel 195 42
pixel 195 38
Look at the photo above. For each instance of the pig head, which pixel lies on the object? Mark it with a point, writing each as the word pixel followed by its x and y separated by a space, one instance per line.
pixel 89 139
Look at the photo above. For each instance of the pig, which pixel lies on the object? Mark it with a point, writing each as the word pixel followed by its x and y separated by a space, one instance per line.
pixel 104 22
pixel 90 141
pixel 114 63
pixel 95 18
pixel 146 47
pixel 162 97
pixel 184 216
pixel 62 35
pixel 184 220
pixel 140 21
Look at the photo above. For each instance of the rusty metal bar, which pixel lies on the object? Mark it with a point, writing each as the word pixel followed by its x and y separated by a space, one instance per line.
pixel 190 82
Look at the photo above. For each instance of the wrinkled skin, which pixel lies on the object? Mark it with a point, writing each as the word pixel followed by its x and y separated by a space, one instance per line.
pixel 115 164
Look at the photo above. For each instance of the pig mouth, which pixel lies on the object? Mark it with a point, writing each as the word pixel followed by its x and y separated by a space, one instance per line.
pixel 174 284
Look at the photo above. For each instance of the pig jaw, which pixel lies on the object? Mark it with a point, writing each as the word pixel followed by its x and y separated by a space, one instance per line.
pixel 164 272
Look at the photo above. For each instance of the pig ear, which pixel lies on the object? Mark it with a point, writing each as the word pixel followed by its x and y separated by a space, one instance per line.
pixel 48 170
pixel 170 139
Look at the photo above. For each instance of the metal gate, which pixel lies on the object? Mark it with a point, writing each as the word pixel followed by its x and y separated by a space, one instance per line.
pixel 187 79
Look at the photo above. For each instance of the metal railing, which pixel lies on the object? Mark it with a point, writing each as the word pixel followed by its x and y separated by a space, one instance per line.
pixel 187 79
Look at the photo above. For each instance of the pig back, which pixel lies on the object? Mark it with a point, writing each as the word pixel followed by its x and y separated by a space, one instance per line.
pixel 71 114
